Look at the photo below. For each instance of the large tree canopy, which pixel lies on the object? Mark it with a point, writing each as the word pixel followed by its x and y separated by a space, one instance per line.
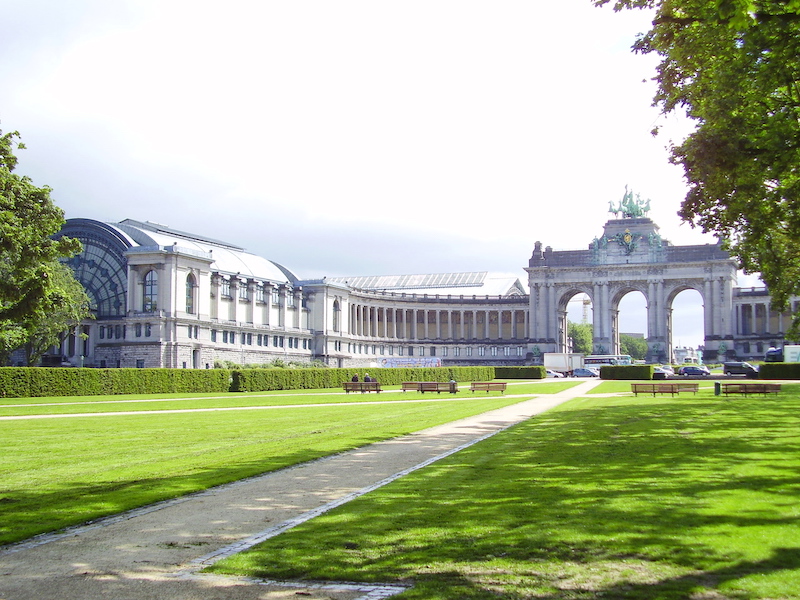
pixel 32 286
pixel 734 67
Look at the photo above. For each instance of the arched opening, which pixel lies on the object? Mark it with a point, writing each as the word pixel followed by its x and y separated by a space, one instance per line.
pixel 629 324
pixel 579 317
pixel 687 325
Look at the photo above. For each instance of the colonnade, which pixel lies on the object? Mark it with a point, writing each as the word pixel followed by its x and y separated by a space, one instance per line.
pixel 426 323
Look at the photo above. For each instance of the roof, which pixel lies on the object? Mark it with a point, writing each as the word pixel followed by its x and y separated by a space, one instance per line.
pixel 479 283
pixel 228 258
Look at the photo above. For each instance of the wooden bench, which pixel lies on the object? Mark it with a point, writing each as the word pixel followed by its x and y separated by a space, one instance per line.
pixel 487 386
pixel 745 389
pixel 430 386
pixel 671 388
pixel 361 386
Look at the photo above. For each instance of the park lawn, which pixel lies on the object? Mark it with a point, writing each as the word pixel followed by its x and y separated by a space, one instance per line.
pixel 57 472
pixel 125 403
pixel 617 497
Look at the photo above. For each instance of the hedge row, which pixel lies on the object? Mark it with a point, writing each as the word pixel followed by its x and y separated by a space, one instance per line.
pixel 626 372
pixel 256 380
pixel 531 372
pixel 779 371
pixel 30 382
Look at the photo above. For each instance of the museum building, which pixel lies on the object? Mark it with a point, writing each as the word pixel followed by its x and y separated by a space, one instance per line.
pixel 167 298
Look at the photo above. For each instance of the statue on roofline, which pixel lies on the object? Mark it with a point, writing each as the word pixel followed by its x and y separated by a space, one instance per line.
pixel 630 207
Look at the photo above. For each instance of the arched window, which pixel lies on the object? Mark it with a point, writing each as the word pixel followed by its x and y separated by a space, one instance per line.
pixel 191 286
pixel 150 303
pixel 336 315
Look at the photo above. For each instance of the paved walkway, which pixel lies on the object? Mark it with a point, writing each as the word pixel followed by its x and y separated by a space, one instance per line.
pixel 155 552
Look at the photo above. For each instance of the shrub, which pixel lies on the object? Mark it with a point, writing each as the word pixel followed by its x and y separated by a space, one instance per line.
pixel 781 370
pixel 626 372
pixel 531 372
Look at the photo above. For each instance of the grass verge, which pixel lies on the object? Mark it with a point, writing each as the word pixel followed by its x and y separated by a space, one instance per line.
pixel 668 498
pixel 59 471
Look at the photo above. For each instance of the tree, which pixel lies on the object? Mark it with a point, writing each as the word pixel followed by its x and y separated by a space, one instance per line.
pixel 67 305
pixel 28 254
pixel 733 66
pixel 581 334
pixel 635 346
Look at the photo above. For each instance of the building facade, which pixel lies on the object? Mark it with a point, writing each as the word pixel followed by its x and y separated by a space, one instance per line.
pixel 167 298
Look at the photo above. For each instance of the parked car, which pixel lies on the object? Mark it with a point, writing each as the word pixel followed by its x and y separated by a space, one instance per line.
pixel 660 372
pixel 551 373
pixel 740 368
pixel 585 373
pixel 694 370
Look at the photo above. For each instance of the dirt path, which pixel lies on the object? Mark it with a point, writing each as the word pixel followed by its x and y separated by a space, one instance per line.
pixel 155 552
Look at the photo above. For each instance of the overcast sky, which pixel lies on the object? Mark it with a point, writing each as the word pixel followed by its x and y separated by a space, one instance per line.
pixel 343 137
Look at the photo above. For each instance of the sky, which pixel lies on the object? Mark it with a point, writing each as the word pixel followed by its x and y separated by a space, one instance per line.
pixel 343 138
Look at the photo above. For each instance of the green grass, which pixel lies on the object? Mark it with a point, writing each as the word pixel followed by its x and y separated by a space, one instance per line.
pixel 94 404
pixel 56 472
pixel 666 498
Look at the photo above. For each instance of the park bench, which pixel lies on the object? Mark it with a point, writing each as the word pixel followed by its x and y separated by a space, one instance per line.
pixel 671 388
pixel 745 389
pixel 361 386
pixel 430 386
pixel 487 386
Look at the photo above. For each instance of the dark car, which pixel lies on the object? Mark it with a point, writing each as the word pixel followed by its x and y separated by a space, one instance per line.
pixel 585 373
pixel 740 368
pixel 694 370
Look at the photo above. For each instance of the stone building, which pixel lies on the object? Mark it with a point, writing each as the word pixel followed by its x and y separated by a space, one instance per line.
pixel 167 298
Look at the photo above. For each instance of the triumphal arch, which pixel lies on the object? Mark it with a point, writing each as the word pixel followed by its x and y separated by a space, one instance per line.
pixel 630 256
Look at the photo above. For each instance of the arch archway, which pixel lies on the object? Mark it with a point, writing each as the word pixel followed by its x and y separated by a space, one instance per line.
pixel 631 256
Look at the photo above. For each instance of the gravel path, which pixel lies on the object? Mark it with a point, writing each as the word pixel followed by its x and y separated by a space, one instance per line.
pixel 155 552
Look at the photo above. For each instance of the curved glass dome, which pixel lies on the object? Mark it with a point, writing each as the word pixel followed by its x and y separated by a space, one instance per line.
pixel 101 266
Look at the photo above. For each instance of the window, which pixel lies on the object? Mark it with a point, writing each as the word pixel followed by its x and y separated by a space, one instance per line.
pixel 469 351
pixel 444 350
pixel 481 351
pixel 290 299
pixel 456 351
pixel 336 314
pixel 213 335
pixel 260 295
pixel 148 330
pixel 224 337
pixel 226 288
pixel 150 303
pixel 138 330
pixel 421 351
pixel 494 350
pixel 102 332
pixel 191 286
pixel 244 291
pixel 276 296
pixel 506 351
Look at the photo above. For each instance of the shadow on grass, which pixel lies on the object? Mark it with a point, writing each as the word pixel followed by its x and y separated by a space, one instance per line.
pixel 628 499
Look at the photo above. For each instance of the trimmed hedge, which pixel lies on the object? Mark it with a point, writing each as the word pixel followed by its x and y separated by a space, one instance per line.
pixel 34 382
pixel 530 372
pixel 626 372
pixel 260 380
pixel 779 370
